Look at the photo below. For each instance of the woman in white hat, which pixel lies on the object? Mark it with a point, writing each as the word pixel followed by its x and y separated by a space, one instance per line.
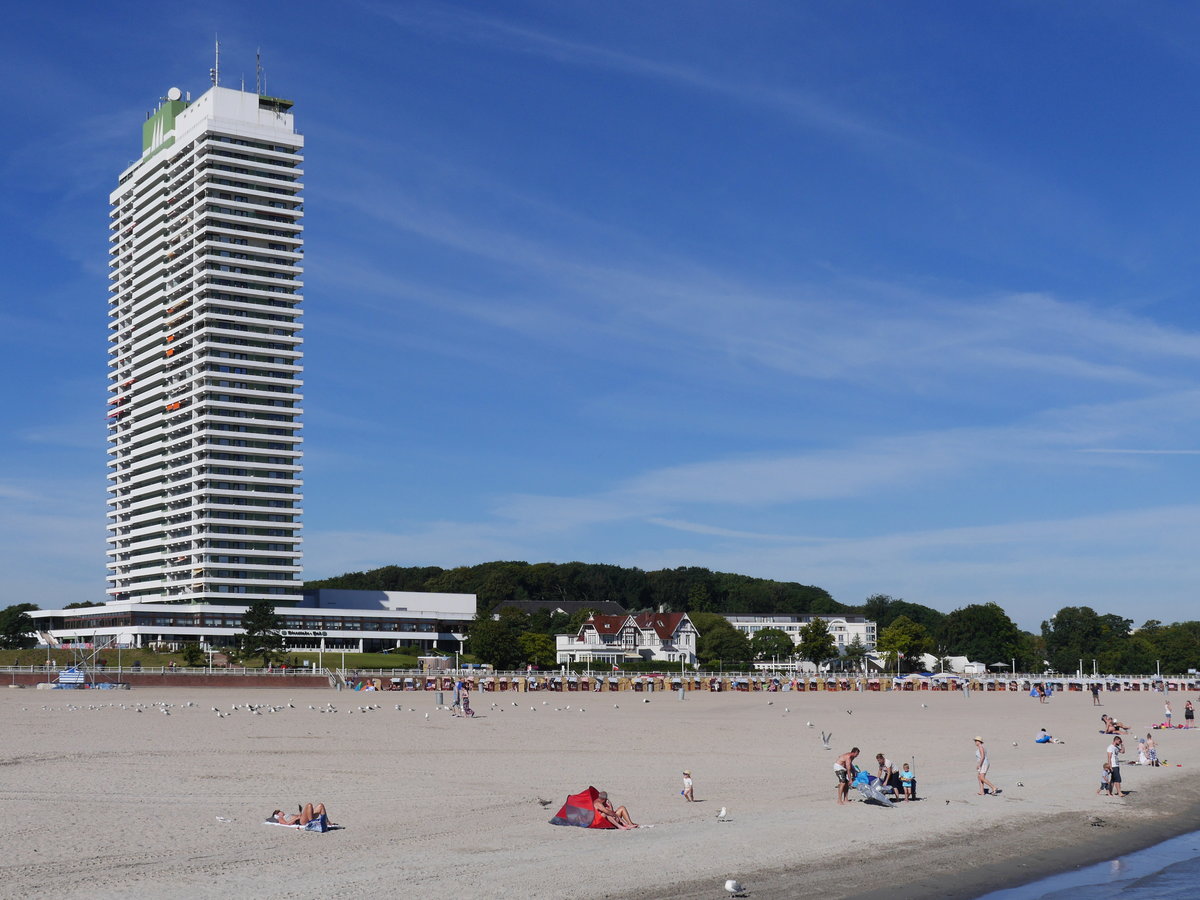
pixel 981 768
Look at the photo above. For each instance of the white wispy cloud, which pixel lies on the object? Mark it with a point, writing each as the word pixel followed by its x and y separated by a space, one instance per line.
pixel 804 107
pixel 885 335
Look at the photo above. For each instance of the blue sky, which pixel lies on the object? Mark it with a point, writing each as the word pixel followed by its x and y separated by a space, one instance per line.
pixel 883 297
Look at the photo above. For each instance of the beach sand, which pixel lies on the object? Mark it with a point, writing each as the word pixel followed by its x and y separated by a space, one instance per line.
pixel 110 802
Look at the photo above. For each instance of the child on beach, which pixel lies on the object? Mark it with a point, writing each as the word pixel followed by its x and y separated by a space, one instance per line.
pixel 907 781
pixel 1167 712
pixel 687 786
pixel 1105 780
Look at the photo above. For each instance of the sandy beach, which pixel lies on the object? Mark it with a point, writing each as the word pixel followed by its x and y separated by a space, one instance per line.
pixel 101 801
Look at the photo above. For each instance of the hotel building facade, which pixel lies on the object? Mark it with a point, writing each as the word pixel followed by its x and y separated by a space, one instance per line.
pixel 205 364
pixel 205 354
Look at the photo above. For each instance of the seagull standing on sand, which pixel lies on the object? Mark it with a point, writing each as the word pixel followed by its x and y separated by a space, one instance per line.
pixel 722 816
pixel 735 888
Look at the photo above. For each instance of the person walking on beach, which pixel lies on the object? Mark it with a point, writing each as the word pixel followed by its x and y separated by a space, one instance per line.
pixel 1114 751
pixel 981 768
pixel 1095 694
pixel 1167 712
pixel 843 768
pixel 1105 779
pixel 1189 715
pixel 687 786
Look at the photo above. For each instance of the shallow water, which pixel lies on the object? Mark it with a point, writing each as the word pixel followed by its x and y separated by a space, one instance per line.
pixel 1166 871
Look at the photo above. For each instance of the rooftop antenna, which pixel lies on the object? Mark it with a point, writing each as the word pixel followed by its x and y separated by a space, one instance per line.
pixel 260 85
pixel 215 72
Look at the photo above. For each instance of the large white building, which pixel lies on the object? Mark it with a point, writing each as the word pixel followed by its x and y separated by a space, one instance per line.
pixel 206 246
pixel 204 368
pixel 645 637
pixel 324 619
pixel 844 629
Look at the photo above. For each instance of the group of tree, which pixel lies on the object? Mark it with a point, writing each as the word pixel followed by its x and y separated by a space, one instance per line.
pixel 17 627
pixel 685 589
pixel 1078 637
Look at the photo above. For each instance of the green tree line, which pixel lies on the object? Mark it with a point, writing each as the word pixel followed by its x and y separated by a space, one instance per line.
pixel 685 589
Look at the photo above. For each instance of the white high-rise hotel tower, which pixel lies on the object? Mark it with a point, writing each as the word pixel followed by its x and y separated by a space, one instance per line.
pixel 204 408
pixel 205 355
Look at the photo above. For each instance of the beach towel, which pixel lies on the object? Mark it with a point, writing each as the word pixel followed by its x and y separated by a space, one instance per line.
pixel 580 811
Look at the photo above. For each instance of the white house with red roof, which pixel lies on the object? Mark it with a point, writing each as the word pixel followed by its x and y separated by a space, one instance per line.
pixel 645 637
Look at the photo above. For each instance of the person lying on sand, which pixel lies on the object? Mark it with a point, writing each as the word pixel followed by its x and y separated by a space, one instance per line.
pixel 307 814
pixel 618 817
pixel 1112 726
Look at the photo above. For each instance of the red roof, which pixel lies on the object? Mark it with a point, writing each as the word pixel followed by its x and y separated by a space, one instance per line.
pixel 664 624
pixel 607 624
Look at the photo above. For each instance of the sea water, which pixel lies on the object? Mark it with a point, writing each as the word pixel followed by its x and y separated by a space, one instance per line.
pixel 1167 871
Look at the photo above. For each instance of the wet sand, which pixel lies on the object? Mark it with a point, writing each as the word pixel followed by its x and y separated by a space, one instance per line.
pixel 108 801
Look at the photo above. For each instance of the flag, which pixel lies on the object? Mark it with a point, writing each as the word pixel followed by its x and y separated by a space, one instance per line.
pixel 616 668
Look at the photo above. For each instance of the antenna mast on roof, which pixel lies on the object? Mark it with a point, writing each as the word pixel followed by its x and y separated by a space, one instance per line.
pixel 260 83
pixel 215 72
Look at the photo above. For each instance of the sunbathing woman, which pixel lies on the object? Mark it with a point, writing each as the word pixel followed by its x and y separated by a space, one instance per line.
pixel 618 817
pixel 307 814
pixel 1112 726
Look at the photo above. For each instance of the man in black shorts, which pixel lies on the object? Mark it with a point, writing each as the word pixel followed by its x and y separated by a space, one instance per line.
pixel 844 770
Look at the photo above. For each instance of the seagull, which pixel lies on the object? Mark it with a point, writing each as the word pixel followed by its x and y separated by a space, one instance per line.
pixel 849 712
pixel 826 738
pixel 544 803
pixel 809 724
pixel 427 715
pixel 735 888
pixel 722 816
pixel 924 706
